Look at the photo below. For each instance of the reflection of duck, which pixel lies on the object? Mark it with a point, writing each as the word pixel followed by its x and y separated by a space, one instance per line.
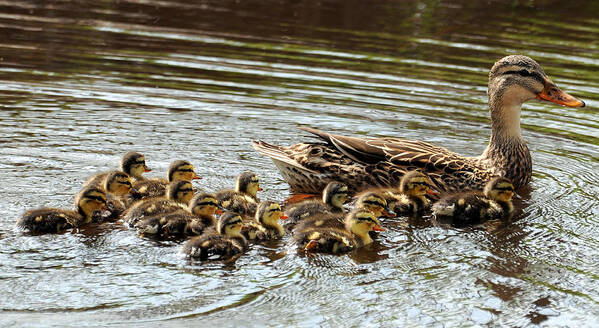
pixel 178 170
pixel 326 239
pixel 179 193
pixel 44 220
pixel 266 225
pixel 224 242
pixel 474 207
pixel 366 162
pixel 243 199
pixel 334 196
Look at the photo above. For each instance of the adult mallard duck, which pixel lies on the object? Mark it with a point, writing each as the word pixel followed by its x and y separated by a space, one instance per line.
pixel 366 162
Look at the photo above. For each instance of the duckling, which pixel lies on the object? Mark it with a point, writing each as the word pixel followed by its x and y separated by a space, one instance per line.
pixel 334 196
pixel 376 203
pixel 179 193
pixel 410 198
pixel 469 208
pixel 358 224
pixel 224 242
pixel 243 199
pixel 178 170
pixel 203 206
pixel 266 225
pixel 132 163
pixel 48 220
pixel 117 185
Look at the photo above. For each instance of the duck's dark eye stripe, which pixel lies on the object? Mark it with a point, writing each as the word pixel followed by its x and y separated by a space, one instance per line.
pixel 274 210
pixel 234 222
pixel 126 183
pixel 524 72
pixel 366 219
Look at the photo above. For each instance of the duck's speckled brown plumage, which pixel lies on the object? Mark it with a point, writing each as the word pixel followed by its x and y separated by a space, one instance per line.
pixel 366 162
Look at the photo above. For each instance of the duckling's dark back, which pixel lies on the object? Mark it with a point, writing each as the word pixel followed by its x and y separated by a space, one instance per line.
pixel 48 220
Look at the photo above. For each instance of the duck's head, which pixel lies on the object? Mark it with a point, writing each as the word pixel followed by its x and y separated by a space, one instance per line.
pixel 499 189
pixel 89 200
pixel 335 194
pixel 134 164
pixel 415 183
pixel 180 191
pixel 118 183
pixel 230 224
pixel 204 205
pixel 269 213
pixel 375 203
pixel 181 170
pixel 361 221
pixel 516 79
pixel 248 183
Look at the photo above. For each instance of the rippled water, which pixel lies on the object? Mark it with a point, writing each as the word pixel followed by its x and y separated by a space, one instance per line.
pixel 83 82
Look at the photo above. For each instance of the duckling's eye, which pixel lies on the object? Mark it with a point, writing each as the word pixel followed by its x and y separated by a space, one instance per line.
pixel 185 170
pixel 186 190
pixel 126 183
pixel 524 73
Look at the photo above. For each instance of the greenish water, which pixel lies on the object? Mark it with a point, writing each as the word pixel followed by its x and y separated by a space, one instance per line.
pixel 83 82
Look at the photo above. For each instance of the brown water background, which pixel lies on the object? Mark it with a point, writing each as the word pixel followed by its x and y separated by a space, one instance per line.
pixel 82 82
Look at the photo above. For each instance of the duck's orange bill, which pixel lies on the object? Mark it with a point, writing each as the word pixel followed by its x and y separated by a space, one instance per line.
pixel 259 189
pixel 378 228
pixel 197 177
pixel 218 211
pixel 147 169
pixel 554 94
pixel 311 245
pixel 389 214
pixel 284 217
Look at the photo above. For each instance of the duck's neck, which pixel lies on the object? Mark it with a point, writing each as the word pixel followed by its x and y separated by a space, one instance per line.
pixel 507 154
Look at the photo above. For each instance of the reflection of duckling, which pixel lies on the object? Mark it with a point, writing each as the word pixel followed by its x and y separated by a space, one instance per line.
pixel 474 207
pixel 178 170
pixel 266 226
pixel 44 220
pixel 334 196
pixel 194 221
pixel 410 198
pixel 226 241
pixel 243 199
pixel 358 224
pixel 178 195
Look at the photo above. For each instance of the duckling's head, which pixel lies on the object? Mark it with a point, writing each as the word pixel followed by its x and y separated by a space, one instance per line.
pixel 230 224
pixel 335 194
pixel 269 213
pixel 375 203
pixel 90 199
pixel 204 205
pixel 134 164
pixel 180 191
pixel 415 183
pixel 248 183
pixel 181 170
pixel 118 183
pixel 499 189
pixel 361 221
pixel 516 79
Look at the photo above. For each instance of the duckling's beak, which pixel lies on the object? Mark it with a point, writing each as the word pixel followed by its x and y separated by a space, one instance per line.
pixel 196 177
pixel 244 227
pixel 218 211
pixel 283 217
pixel 259 188
pixel 378 228
pixel 554 94
pixel 432 192
pixel 311 245
pixel 133 191
pixel 388 213
pixel 147 169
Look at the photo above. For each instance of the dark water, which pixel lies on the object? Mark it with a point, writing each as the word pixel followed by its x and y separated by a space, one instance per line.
pixel 83 82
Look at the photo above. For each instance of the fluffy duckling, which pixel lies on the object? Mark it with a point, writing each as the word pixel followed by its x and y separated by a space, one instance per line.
pixel 178 170
pixel 44 220
pixel 224 242
pixel 266 225
pixel 469 208
pixel 358 224
pixel 117 185
pixel 411 198
pixel 334 196
pixel 194 221
pixel 179 193
pixel 376 203
pixel 243 199
pixel 132 163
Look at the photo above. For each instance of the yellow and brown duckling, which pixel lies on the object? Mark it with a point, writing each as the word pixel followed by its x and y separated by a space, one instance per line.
pixel 243 199
pixel 179 193
pixel 223 242
pixel 117 185
pixel 469 208
pixel 376 203
pixel 132 163
pixel 334 196
pixel 356 233
pixel 193 221
pixel 266 225
pixel 178 170
pixel 410 198
pixel 48 220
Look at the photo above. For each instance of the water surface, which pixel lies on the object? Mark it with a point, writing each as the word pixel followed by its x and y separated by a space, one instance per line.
pixel 81 83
